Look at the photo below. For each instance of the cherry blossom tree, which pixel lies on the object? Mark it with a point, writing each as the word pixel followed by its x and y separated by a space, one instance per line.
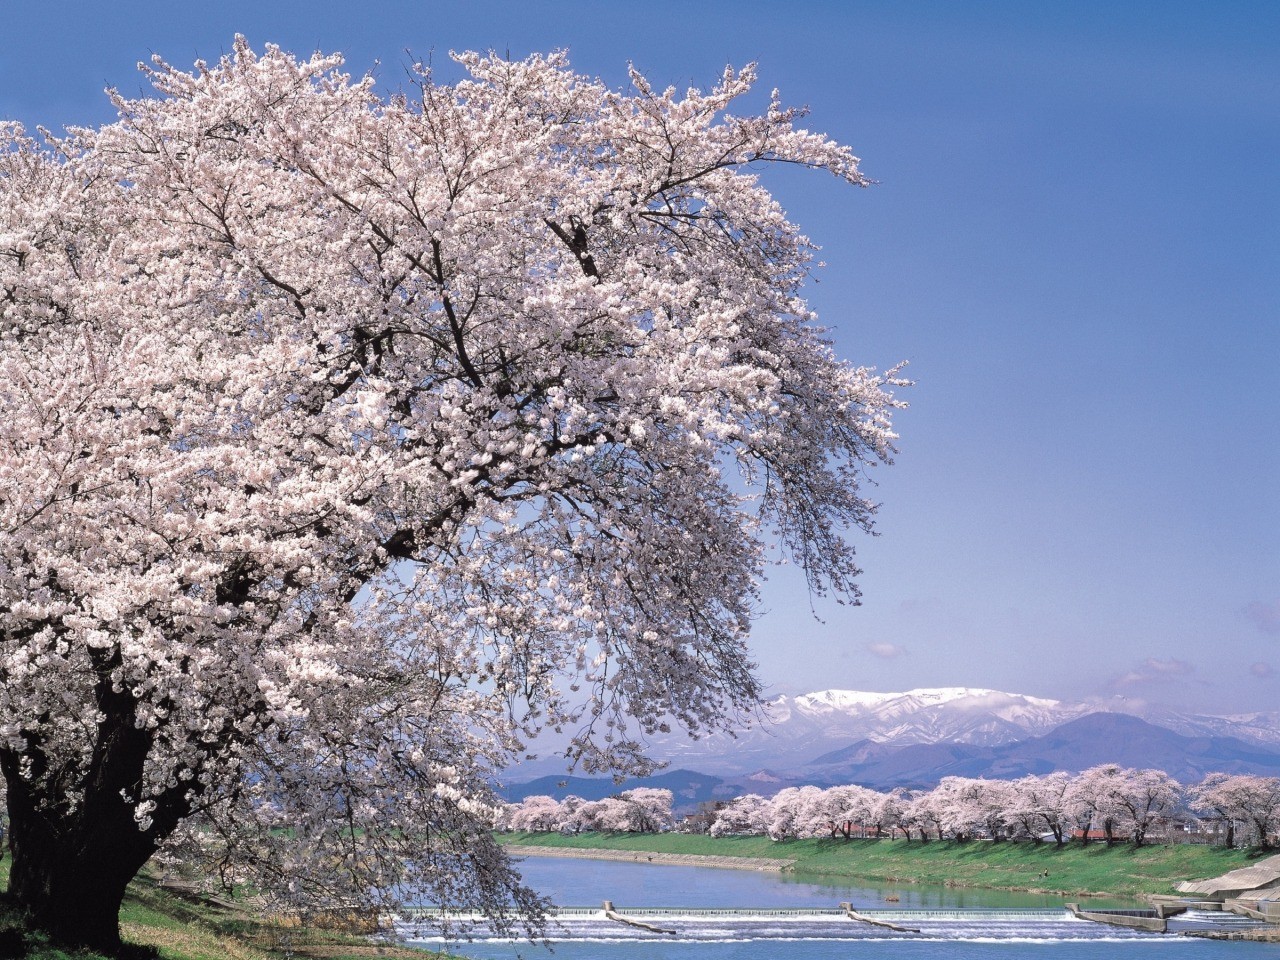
pixel 788 810
pixel 349 440
pixel 888 810
pixel 1211 799
pixel 850 806
pixel 1144 797
pixel 606 815
pixel 1246 802
pixel 650 809
pixel 747 815
pixel 535 813
pixel 640 810
pixel 570 821
pixel 925 812
pixel 1092 800
pixel 969 807
pixel 1040 803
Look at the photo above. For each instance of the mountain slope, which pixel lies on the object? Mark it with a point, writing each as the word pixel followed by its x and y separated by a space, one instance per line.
pixel 915 737
pixel 1085 742
pixel 828 720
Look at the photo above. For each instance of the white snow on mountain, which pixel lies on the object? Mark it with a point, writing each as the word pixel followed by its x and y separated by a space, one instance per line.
pixel 798 729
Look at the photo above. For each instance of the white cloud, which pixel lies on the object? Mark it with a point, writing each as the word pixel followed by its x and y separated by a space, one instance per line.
pixel 1265 616
pixel 1153 670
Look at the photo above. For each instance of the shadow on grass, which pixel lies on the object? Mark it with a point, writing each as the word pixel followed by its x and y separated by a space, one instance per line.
pixel 18 940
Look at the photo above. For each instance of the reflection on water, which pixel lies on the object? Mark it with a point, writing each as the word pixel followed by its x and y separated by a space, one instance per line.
pixel 589 882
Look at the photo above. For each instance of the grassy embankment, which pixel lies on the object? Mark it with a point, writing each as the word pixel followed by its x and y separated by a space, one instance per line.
pixel 1074 870
pixel 162 924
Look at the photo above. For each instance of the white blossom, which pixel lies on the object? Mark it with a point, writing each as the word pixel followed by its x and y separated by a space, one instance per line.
pixel 349 441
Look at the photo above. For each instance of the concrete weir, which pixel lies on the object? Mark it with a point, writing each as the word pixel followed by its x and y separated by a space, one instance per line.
pixel 847 908
pixel 614 915
pixel 1153 920
pixel 853 914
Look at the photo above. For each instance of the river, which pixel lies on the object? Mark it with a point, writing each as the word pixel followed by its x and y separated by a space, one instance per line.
pixel 953 923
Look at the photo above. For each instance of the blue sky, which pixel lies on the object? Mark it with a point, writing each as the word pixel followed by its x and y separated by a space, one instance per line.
pixel 1075 241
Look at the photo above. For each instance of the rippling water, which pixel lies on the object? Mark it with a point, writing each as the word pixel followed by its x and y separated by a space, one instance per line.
pixel 793 917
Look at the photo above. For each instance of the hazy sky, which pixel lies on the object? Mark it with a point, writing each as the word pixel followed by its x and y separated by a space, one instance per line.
pixel 1075 241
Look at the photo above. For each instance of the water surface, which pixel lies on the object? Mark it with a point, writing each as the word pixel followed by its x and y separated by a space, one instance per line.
pixel 953 923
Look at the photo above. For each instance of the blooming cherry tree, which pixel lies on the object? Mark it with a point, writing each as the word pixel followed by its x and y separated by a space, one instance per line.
pixel 1249 801
pixel 1037 803
pixel 1144 797
pixel 969 807
pixel 349 441
pixel 1091 801
pixel 538 812
pixel 650 809
pixel 747 815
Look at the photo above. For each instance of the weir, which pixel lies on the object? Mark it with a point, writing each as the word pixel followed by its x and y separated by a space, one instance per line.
pixel 725 924
pixel 863 918
pixel 631 921
pixel 755 913
pixel 763 913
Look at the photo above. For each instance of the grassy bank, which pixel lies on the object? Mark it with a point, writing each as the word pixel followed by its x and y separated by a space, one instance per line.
pixel 161 924
pixel 1073 870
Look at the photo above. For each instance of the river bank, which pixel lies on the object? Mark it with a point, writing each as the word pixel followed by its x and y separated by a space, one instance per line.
pixel 169 922
pixel 1071 871
pixel 772 865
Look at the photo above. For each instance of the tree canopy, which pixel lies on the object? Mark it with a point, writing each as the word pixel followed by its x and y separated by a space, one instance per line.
pixel 349 441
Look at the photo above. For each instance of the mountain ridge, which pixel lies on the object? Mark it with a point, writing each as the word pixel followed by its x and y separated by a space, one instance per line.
pixel 912 738
pixel 819 722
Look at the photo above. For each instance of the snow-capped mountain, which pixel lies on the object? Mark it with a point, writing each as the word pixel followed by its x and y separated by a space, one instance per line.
pixel 795 731
pixel 915 737
pixel 947 714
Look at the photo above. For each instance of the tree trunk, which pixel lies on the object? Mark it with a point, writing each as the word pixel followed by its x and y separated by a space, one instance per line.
pixel 1084 832
pixel 71 877
pixel 73 858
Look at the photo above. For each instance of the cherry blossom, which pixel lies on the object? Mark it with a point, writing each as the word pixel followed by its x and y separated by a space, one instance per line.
pixel 350 440
pixel 1247 803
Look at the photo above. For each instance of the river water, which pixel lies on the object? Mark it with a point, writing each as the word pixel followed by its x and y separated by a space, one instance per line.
pixel 743 915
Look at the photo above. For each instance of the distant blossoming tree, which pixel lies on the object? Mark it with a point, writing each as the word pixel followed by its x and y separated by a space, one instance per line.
pixel 1039 804
pixel 973 807
pixel 348 441
pixel 1092 801
pixel 538 812
pixel 649 809
pixel 1244 802
pixel 1145 797
pixel 747 815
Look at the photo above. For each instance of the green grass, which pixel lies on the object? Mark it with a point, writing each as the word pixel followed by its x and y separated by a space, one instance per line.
pixel 1121 870
pixel 159 924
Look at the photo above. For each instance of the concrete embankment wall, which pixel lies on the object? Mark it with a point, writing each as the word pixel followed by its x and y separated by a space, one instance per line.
pixel 644 856
pixel 1134 919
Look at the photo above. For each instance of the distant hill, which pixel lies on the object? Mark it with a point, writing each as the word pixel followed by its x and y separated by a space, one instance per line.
pixel 688 787
pixel 1073 746
pixel 912 739
pixel 830 720
pixel 1077 744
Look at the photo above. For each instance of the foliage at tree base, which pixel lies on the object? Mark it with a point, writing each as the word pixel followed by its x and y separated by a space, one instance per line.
pixel 160 924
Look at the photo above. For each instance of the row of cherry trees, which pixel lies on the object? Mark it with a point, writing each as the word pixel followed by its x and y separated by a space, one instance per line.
pixel 640 810
pixel 1107 801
